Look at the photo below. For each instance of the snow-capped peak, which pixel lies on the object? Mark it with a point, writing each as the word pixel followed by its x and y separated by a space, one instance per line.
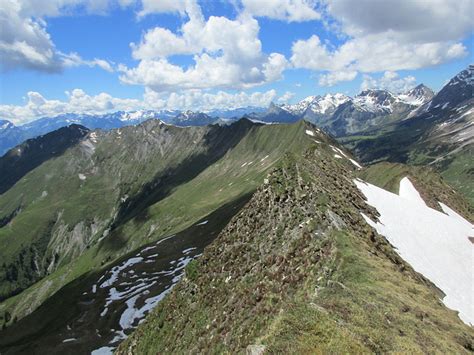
pixel 317 104
pixel 375 101
pixel 465 77
pixel 417 96
pixel 4 124
pixel 188 114
pixel 328 102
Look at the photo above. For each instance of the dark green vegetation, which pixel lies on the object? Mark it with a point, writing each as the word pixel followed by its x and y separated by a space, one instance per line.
pixel 299 271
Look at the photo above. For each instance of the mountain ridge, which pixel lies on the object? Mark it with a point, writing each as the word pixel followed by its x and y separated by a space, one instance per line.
pixel 286 276
pixel 164 169
pixel 148 181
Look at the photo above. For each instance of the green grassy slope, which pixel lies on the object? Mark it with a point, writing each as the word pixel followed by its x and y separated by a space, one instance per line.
pixel 299 271
pixel 175 198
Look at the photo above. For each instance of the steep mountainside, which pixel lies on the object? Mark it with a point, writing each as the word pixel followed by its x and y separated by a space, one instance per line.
pixel 99 310
pixel 440 134
pixel 371 108
pixel 117 190
pixel 33 152
pixel 419 95
pixel 100 235
pixel 299 270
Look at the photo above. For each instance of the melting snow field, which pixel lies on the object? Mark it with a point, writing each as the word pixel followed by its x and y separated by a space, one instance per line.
pixel 134 286
pixel 435 244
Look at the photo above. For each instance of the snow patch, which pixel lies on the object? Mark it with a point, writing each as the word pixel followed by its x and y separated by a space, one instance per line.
pixel 117 269
pixel 82 177
pixel 337 156
pixel 93 137
pixel 69 340
pixel 337 150
pixel 408 191
pixel 355 163
pixel 433 243
pixel 452 213
pixel 105 350
pixel 310 133
pixel 202 223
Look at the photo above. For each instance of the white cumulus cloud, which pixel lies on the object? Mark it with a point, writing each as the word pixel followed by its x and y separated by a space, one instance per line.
pixel 386 36
pixel 332 78
pixel 226 53
pixel 390 81
pixel 25 42
pixel 287 10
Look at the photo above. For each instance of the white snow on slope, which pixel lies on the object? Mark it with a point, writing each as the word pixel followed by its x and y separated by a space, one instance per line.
pixel 355 163
pixel 337 150
pixel 453 214
pixel 117 269
pixel 310 133
pixel 433 243
pixel 105 350
pixel 408 191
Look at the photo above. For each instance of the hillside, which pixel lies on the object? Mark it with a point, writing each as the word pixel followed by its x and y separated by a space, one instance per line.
pixel 151 203
pixel 299 270
pixel 108 195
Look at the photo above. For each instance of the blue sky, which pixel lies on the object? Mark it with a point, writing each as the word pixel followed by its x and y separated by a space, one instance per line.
pixel 76 55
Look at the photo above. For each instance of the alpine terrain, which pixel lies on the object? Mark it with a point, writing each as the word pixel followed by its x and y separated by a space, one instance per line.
pixel 227 238
pixel 236 177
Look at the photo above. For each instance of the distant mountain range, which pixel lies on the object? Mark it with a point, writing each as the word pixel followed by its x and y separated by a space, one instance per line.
pixel 329 111
pixel 439 133
pixel 417 126
pixel 339 114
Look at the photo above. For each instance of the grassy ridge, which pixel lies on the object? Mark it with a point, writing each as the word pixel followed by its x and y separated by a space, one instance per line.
pixel 298 270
